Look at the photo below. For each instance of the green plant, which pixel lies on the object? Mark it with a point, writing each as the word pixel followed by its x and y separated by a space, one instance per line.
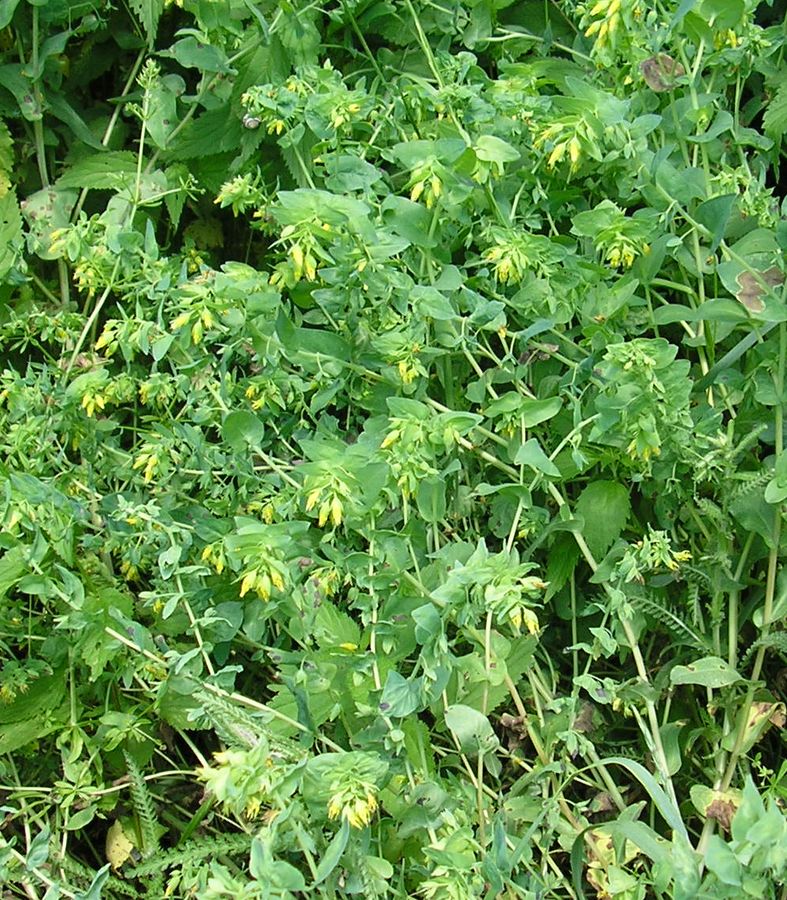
pixel 392 425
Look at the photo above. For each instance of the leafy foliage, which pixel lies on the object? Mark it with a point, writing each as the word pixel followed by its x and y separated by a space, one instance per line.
pixel 393 469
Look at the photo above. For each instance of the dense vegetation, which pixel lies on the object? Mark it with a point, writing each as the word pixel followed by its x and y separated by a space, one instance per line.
pixel 393 469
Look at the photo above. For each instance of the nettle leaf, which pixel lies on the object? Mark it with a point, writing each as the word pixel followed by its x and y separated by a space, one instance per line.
pixel 605 507
pixel 114 169
pixel 148 13
pixel 774 122
pixel 334 629
pixel 10 232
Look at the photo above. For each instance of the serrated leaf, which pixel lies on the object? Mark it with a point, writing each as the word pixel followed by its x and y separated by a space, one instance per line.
pixel 6 159
pixel 334 629
pixel 148 12
pixel 605 507
pixel 113 169
pixel 10 233
pixel 774 122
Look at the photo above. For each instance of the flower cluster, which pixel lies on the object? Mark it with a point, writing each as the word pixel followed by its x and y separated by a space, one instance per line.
pixel 651 554
pixel 515 252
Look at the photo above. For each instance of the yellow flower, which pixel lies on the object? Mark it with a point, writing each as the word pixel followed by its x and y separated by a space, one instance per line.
pixel 91 402
pixel 180 321
pixel 357 810
pixel 557 154
pixel 391 438
pixel 531 621
pixel 336 510
pixel 574 151
pixel 248 582
pixel 278 581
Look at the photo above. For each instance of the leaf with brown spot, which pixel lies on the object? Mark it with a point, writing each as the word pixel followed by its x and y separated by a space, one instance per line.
pixel 751 289
pixel 660 72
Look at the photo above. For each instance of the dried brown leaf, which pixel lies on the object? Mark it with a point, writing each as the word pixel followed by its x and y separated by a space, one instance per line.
pixel 660 72
pixel 751 288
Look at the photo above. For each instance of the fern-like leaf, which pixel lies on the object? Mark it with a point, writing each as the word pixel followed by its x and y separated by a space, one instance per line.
pixel 671 621
pixel 776 640
pixel 82 876
pixel 233 725
pixel 144 808
pixel 751 482
pixel 193 852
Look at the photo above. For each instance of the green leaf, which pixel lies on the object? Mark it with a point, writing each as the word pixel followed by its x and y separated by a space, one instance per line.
pixel 471 728
pixel 113 169
pixel 721 309
pixel 63 110
pixel 7 9
pixel 38 853
pixel 10 233
pixel 401 697
pixel 605 508
pixel 96 885
pixel 241 429
pixel 496 151
pixel 332 627
pixel 531 454
pixel 670 813
pixel 148 12
pixel 720 859
pixel 431 499
pixel 162 117
pixel 192 54
pixel 333 853
pixel 349 173
pixel 13 566
pixel 715 214
pixel 534 412
pixel 774 122
pixel 710 671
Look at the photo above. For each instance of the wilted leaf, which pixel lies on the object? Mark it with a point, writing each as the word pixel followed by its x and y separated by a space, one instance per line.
pixel 118 847
pixel 660 72
pixel 752 289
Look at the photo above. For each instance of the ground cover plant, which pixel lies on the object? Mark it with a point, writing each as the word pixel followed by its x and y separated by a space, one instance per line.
pixel 393 469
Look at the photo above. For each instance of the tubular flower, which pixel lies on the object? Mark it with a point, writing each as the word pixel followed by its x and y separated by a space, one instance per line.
pixel 353 804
